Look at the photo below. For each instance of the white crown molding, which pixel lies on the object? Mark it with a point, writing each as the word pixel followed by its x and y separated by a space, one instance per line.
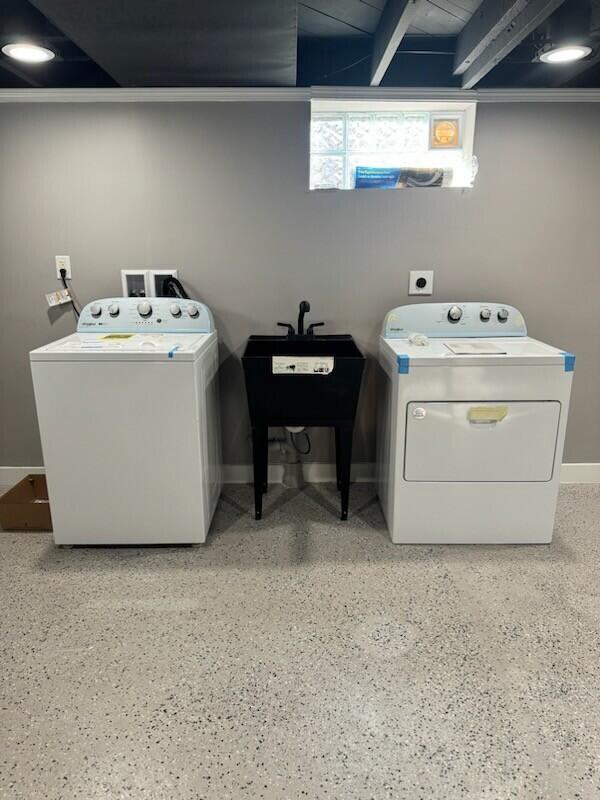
pixel 456 95
pixel 156 95
pixel 538 95
pixel 295 95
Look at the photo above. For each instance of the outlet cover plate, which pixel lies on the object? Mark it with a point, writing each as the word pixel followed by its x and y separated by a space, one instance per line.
pixel 417 276
pixel 63 262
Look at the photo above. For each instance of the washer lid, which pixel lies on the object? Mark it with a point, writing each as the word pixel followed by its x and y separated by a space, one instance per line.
pixel 124 347
pixel 488 352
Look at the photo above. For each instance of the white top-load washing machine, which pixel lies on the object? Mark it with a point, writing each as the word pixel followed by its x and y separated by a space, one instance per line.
pixel 129 421
pixel 471 427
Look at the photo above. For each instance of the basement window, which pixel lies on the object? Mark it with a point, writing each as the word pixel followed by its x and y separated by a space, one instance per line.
pixel 384 144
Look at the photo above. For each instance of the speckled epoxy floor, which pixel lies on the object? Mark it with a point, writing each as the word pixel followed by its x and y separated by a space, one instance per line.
pixel 302 657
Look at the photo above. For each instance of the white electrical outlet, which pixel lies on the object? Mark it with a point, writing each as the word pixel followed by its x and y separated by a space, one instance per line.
pixel 420 281
pixel 63 262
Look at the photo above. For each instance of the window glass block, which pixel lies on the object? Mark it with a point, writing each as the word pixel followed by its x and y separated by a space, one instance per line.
pixel 415 133
pixel 360 132
pixel 387 132
pixel 326 172
pixel 327 133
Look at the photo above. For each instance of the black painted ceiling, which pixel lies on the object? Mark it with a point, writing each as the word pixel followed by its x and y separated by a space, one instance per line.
pixel 258 43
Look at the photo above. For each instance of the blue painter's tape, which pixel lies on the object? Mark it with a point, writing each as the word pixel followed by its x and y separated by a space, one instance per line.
pixel 569 362
pixel 403 363
pixel 173 351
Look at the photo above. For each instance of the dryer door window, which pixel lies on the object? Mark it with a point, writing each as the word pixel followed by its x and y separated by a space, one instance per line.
pixel 475 442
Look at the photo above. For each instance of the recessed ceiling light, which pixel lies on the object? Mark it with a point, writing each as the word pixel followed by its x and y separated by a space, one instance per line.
pixel 561 55
pixel 32 53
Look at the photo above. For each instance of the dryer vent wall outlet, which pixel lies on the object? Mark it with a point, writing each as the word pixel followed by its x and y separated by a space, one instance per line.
pixel 157 278
pixel 145 282
pixel 420 281
pixel 134 282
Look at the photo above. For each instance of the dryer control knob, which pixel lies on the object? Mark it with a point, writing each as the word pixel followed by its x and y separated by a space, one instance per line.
pixel 113 310
pixel 503 315
pixel 96 310
pixel 175 309
pixel 454 314
pixel 144 309
pixel 419 413
pixel 193 311
pixel 485 314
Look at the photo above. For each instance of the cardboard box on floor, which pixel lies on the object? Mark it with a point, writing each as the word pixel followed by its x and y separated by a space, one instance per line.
pixel 25 507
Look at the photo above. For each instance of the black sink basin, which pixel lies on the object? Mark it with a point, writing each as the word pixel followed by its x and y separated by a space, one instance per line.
pixel 325 397
pixel 341 345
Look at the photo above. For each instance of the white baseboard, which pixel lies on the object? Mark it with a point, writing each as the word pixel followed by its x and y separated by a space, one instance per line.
pixel 11 475
pixel 580 473
pixel 317 473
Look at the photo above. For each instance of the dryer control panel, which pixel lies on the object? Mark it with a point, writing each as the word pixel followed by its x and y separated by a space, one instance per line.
pixel 440 320
pixel 145 315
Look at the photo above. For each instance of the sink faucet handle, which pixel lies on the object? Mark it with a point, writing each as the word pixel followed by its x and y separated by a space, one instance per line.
pixel 311 328
pixel 290 328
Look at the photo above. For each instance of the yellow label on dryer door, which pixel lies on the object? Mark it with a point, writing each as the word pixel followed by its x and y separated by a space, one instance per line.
pixel 487 413
pixel 118 335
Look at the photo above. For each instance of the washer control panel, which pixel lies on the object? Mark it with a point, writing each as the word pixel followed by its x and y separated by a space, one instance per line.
pixel 438 320
pixel 145 315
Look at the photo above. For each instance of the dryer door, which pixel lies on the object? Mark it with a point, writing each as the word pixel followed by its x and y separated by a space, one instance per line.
pixel 474 442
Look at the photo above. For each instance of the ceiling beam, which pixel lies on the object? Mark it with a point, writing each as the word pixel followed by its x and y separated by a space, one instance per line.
pixel 395 20
pixel 484 26
pixel 520 26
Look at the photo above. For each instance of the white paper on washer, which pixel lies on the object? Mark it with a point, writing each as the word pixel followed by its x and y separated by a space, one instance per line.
pixel 475 349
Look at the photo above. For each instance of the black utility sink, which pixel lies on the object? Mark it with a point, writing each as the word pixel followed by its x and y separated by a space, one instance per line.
pixel 334 345
pixel 302 380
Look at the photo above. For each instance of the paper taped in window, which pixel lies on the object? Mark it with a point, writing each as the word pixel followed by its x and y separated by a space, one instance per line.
pixel 401 177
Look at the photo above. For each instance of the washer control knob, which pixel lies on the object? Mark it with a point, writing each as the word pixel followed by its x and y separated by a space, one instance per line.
pixel 144 308
pixel 175 309
pixel 503 315
pixel 193 311
pixel 419 413
pixel 485 314
pixel 96 309
pixel 113 310
pixel 454 314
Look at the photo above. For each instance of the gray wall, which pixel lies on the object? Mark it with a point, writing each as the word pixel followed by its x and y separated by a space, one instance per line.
pixel 219 191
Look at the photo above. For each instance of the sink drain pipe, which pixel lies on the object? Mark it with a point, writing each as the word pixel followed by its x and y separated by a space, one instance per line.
pixel 293 473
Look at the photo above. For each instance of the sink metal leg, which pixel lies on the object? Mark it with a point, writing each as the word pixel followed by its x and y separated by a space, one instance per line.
pixel 337 458
pixel 260 460
pixel 344 460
